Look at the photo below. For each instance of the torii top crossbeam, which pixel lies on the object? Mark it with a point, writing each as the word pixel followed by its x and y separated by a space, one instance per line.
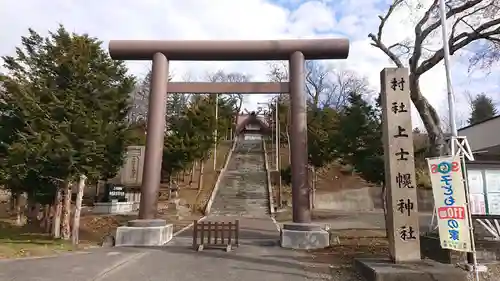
pixel 230 50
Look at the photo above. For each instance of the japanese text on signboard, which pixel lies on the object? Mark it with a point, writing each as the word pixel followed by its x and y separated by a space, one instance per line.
pixel 405 206
pixel 449 197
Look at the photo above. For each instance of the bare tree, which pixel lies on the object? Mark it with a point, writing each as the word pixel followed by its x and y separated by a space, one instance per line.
pixel 345 82
pixel 231 77
pixel 471 20
pixel 324 86
pixel 486 56
pixel 139 108
pixel 318 83
pixel 278 72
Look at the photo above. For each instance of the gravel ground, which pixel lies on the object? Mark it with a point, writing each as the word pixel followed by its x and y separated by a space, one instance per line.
pixel 493 273
pixel 365 243
pixel 350 246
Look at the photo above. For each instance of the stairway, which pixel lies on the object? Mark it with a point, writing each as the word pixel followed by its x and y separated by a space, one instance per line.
pixel 243 187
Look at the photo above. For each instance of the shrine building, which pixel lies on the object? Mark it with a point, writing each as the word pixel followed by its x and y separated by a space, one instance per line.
pixel 251 126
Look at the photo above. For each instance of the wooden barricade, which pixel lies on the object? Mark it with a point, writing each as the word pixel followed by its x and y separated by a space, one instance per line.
pixel 209 234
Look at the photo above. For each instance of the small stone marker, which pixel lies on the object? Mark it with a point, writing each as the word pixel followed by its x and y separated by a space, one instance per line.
pixel 402 208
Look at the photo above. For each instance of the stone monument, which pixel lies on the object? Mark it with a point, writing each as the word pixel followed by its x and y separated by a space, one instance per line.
pixel 114 201
pixel 402 220
pixel 131 173
pixel 402 207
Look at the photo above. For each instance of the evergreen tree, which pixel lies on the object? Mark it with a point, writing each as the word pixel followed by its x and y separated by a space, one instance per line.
pixel 190 136
pixel 66 104
pixel 321 128
pixel 482 108
pixel 358 140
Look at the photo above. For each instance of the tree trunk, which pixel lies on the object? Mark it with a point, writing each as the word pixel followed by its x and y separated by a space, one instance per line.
pixel 383 196
pixel 192 173
pixel 66 212
pixel 288 141
pixel 78 210
pixel 97 190
pixel 429 117
pixel 315 183
pixel 200 176
pixel 12 201
pixel 29 208
pixel 169 187
pixel 56 218
pixel 384 205
pixel 18 207
pixel 46 223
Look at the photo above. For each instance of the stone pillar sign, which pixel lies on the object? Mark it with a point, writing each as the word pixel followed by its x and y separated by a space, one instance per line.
pixel 402 210
pixel 131 172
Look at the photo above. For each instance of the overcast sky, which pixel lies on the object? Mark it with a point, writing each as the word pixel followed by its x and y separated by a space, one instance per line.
pixel 242 19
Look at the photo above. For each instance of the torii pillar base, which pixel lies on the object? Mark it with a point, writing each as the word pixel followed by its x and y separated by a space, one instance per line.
pixel 304 236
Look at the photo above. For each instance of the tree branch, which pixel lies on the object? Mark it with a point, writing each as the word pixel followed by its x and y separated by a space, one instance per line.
pixel 458 42
pixel 377 40
pixel 419 38
pixel 449 14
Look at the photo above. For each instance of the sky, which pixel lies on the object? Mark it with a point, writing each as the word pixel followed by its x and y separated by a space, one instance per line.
pixel 246 19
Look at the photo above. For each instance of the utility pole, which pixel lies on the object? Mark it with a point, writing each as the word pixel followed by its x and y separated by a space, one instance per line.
pixel 277 146
pixel 471 256
pixel 277 136
pixel 272 133
pixel 216 127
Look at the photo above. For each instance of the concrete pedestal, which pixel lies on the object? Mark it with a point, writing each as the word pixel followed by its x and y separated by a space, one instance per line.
pixel 113 207
pixel 154 232
pixel 385 270
pixel 304 236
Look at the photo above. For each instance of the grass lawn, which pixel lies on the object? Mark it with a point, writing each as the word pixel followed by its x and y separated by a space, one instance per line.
pixel 29 241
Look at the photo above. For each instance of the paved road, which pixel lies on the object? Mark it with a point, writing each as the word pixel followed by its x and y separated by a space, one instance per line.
pixel 83 266
pixel 258 257
pixel 253 260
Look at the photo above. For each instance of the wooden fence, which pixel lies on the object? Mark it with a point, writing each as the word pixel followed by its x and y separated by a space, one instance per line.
pixel 209 234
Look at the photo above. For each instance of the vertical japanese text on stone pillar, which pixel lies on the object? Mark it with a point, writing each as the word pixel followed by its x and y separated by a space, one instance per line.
pixel 402 209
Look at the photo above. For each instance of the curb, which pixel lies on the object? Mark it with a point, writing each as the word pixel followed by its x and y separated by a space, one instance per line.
pixel 187 227
pixel 208 206
pixel 277 224
pixel 268 175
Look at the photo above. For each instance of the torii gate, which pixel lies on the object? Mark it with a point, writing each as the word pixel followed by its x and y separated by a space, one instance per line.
pixel 161 52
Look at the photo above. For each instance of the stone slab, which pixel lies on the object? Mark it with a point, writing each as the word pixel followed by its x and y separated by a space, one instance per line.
pixel 143 236
pixel 316 238
pixel 147 223
pixel 113 207
pixel 386 270
pixel 302 226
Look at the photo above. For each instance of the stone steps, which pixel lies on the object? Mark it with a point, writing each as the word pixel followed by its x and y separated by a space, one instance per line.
pixel 243 190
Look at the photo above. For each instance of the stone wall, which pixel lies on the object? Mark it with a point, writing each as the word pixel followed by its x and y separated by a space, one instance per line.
pixel 364 199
